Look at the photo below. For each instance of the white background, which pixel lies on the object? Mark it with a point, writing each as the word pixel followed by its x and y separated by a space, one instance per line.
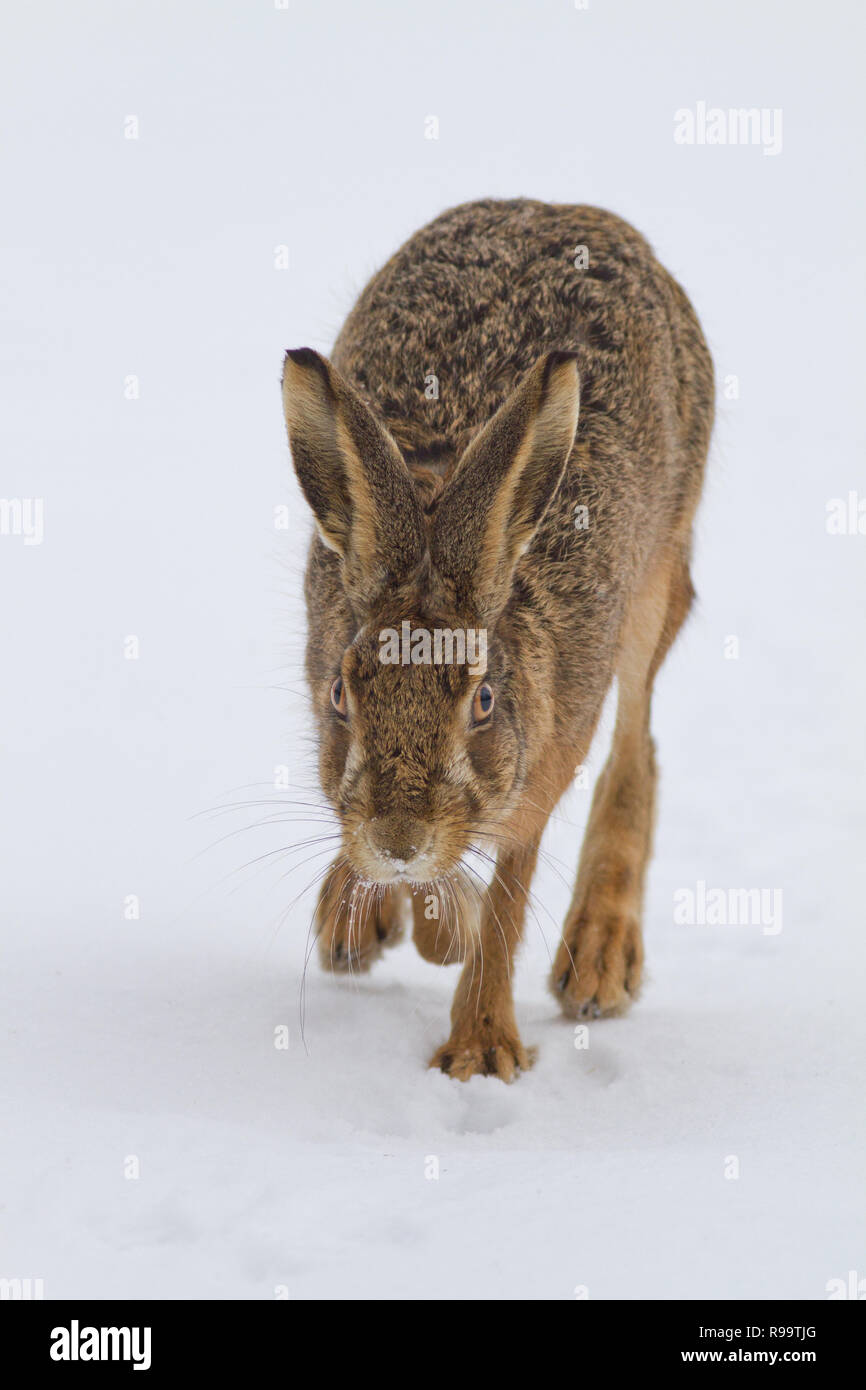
pixel 154 1037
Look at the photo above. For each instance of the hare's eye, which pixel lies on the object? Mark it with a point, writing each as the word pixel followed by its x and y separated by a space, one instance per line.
pixel 482 703
pixel 338 698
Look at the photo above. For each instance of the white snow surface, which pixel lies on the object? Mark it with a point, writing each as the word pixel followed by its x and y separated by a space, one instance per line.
pixel 308 1170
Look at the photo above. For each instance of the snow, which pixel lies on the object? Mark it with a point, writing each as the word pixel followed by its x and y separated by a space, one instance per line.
pixel 148 1044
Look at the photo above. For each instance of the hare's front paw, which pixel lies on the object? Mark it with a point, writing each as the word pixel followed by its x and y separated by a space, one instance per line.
pixel 490 1051
pixel 354 923
pixel 597 970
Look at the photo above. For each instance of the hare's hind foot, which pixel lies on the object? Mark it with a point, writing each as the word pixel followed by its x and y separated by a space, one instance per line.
pixel 597 970
pixel 356 921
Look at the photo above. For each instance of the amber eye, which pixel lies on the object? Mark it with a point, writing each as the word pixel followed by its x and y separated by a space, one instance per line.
pixel 338 698
pixel 482 703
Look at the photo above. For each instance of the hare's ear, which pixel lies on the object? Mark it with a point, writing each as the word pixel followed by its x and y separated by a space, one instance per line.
pixel 503 485
pixel 353 476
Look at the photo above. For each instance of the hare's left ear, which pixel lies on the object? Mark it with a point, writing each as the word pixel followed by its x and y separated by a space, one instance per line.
pixel 353 476
pixel 504 484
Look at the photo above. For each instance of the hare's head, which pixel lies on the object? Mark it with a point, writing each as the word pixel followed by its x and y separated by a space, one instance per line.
pixel 420 675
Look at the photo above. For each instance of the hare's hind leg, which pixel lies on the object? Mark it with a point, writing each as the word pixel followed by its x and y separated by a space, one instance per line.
pixel 597 970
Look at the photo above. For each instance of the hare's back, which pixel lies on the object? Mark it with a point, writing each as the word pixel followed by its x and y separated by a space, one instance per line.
pixel 448 326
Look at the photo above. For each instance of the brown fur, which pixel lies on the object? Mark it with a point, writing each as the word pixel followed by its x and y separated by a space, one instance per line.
pixel 460 512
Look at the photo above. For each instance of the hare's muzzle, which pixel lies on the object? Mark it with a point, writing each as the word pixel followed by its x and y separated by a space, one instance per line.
pixel 396 847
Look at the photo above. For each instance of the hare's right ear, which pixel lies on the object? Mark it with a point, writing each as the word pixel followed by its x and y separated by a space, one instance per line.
pixel 503 485
pixel 353 476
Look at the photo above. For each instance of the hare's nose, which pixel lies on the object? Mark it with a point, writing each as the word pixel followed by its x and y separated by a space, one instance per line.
pixel 399 839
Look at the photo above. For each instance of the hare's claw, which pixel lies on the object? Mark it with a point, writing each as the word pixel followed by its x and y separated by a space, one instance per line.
pixel 492 1053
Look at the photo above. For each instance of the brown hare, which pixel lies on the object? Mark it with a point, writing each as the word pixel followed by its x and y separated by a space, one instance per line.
pixel 463 509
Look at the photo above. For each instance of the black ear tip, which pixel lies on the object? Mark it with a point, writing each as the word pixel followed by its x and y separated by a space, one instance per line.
pixel 553 361
pixel 559 358
pixel 303 357
pixel 308 359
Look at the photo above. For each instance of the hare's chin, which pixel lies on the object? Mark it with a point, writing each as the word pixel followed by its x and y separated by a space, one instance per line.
pixel 387 871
